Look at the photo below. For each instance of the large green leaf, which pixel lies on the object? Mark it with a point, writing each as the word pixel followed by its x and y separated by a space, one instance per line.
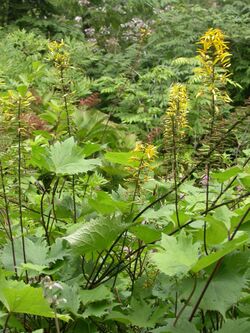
pixel 227 174
pixel 68 159
pixel 90 125
pixel 100 293
pixel 17 297
pixel 96 235
pixel 146 233
pixel 98 309
pixel 90 148
pixel 183 326
pixel 105 204
pixel 233 326
pixel 216 232
pixel 242 211
pixel 222 294
pixel 63 158
pixel 162 215
pixel 40 157
pixel 36 253
pixel 226 248
pixel 140 314
pixel 225 289
pixel 177 255
pixel 245 178
pixel 70 293
pixel 225 215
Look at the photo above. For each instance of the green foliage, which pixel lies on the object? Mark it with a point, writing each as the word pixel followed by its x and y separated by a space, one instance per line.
pixel 63 158
pixel 95 235
pixel 178 254
pixel 241 325
pixel 214 257
pixel 18 297
pixel 107 222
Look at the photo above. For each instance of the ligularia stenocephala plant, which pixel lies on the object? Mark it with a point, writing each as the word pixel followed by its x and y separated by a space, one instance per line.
pixel 175 126
pixel 61 60
pixel 214 72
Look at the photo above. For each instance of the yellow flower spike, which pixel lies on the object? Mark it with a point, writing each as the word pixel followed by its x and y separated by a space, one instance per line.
pixel 214 49
pixel 176 115
pixel 214 69
pixel 58 55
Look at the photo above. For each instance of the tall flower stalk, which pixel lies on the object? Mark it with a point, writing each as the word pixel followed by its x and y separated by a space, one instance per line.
pixel 175 126
pixel 6 203
pixel 61 61
pixel 214 58
pixel 19 183
pixel 14 103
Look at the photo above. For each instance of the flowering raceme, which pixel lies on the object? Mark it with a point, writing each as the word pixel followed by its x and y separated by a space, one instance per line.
pixel 58 55
pixel 215 61
pixel 149 152
pixel 145 155
pixel 176 115
pixel 214 49
pixel 175 126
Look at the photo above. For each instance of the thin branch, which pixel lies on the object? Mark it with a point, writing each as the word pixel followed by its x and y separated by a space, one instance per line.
pixel 93 271
pixel 106 257
pixel 207 203
pixel 217 266
pixel 5 329
pixel 239 224
pixel 31 209
pixel 53 203
pixel 229 184
pixel 187 301
pixel 245 195
pixel 45 227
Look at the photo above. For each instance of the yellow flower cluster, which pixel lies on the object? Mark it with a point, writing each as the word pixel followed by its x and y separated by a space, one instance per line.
pixel 149 151
pixel 144 33
pixel 176 115
pixel 58 54
pixel 144 155
pixel 214 54
pixel 214 50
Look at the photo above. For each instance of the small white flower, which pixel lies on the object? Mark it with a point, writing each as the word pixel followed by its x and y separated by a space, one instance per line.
pixel 78 19
pixel 57 285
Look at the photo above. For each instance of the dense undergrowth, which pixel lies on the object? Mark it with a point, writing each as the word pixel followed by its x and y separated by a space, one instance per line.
pixel 124 167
